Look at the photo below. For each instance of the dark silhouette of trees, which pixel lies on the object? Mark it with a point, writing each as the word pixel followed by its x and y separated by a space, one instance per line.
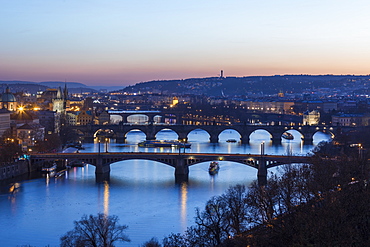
pixel 51 142
pixel 214 221
pixel 260 201
pixel 100 230
pixel 153 242
pixel 9 151
pixel 236 207
pixel 325 203
pixel 223 217
pixel 176 240
pixel 9 147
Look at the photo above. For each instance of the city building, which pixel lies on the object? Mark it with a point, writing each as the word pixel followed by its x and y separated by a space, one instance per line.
pixel 21 117
pixel 45 99
pixel 71 118
pixel 279 107
pixel 60 102
pixel 4 120
pixel 104 118
pixel 8 101
pixel 311 117
pixel 84 118
pixel 49 120
pixel 28 134
pixel 351 120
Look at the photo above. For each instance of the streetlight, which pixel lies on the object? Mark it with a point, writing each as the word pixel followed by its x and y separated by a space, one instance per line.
pixel 360 150
pixel 359 146
pixel 262 148
pixel 106 145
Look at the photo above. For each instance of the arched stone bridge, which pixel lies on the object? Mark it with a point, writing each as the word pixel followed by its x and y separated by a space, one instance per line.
pixel 180 161
pixel 119 132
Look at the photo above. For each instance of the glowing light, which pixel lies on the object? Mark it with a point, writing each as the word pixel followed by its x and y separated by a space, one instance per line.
pixel 106 198
pixel 184 198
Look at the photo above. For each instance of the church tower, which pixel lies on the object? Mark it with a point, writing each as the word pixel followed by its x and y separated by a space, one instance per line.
pixel 60 102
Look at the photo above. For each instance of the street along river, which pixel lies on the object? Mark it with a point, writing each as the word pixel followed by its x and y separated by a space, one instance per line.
pixel 143 194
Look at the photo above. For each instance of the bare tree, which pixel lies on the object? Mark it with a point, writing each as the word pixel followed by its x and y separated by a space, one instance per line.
pixel 235 198
pixel 94 231
pixel 175 240
pixel 261 201
pixel 214 221
pixel 153 242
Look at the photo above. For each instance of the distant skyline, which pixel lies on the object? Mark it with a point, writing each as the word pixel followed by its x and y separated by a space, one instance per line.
pixel 121 42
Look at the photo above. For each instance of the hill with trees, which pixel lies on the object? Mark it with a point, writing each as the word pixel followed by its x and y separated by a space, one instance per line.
pixel 230 86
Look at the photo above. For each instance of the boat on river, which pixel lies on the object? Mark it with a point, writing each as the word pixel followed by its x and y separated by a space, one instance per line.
pixel 49 168
pixel 76 145
pixel 213 168
pixel 230 140
pixel 60 173
pixel 165 144
pixel 77 163
pixel 288 136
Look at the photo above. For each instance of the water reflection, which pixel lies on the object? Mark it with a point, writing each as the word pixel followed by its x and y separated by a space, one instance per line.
pixel 13 190
pixel 141 193
pixel 183 205
pixel 106 197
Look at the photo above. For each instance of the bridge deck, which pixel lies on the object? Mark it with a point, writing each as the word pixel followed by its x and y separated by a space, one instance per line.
pixel 170 158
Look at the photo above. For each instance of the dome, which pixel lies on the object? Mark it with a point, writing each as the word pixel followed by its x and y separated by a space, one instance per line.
pixel 7 96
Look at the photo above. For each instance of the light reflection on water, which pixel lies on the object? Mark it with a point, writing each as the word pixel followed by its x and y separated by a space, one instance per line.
pixel 141 193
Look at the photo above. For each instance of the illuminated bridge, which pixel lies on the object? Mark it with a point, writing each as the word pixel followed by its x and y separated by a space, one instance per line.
pixel 180 161
pixel 120 131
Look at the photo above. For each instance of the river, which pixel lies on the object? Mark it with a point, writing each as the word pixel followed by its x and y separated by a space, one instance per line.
pixel 143 194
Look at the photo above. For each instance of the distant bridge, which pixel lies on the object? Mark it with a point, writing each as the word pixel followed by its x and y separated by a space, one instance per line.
pixel 180 161
pixel 119 131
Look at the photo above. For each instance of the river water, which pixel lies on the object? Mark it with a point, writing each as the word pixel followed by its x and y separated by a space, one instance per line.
pixel 143 194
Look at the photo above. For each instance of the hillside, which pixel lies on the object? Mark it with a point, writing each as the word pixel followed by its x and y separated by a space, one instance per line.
pixel 231 86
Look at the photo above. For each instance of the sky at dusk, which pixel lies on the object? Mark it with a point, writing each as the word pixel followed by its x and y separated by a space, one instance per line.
pixel 122 42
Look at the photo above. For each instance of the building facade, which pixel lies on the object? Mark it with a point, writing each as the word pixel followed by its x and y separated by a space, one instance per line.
pixel 4 120
pixel 8 101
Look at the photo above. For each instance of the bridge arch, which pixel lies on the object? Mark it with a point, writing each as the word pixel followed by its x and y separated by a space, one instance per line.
pixel 138 116
pixel 233 134
pixel 104 133
pixel 264 134
pixel 186 132
pixel 162 161
pixel 137 119
pixel 295 134
pixel 167 134
pixel 324 131
pixel 115 118
pixel 197 134
pixel 134 135
pixel 181 163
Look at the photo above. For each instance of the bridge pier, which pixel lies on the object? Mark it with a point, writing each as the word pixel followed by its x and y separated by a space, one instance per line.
pixel 262 172
pixel 276 140
pixel 101 177
pixel 213 139
pixel 181 171
pixel 244 139
pixel 307 140
pixel 88 139
pixel 102 172
pixel 120 138
pixel 182 137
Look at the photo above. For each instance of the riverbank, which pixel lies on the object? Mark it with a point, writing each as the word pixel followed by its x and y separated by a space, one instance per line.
pixel 15 169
